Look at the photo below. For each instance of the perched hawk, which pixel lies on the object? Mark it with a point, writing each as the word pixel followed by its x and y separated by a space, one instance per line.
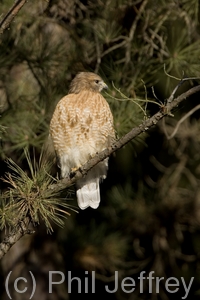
pixel 81 126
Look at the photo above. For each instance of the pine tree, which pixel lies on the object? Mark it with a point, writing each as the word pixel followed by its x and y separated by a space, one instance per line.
pixel 148 219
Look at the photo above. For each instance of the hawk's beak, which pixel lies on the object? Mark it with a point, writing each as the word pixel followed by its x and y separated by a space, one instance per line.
pixel 104 86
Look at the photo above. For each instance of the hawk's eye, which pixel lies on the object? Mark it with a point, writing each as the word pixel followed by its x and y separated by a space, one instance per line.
pixel 96 81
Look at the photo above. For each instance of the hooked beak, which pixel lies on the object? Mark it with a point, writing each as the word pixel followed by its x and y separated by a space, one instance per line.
pixel 103 86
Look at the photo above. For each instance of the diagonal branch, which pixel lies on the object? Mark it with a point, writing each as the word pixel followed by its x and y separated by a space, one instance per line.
pixel 17 233
pixel 22 228
pixel 143 127
pixel 13 11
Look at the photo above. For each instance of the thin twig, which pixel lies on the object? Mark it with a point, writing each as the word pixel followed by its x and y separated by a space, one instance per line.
pixel 13 11
pixel 97 51
pixel 169 137
pixel 132 31
pixel 114 47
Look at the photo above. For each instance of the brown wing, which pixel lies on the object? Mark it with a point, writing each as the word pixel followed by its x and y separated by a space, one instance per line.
pixel 81 121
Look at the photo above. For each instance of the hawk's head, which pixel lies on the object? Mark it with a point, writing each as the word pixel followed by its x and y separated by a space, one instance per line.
pixel 87 81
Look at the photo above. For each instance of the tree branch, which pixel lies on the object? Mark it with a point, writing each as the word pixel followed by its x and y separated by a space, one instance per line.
pixel 132 31
pixel 143 127
pixel 17 233
pixel 169 137
pixel 11 14
pixel 22 228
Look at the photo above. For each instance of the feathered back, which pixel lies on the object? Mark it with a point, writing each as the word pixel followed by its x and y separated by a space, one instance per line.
pixel 81 126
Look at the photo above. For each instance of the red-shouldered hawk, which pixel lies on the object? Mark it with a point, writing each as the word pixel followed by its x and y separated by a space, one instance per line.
pixel 81 126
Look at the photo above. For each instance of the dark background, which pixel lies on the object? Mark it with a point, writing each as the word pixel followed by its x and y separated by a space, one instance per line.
pixel 149 216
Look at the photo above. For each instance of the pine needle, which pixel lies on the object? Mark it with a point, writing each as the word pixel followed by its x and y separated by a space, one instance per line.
pixel 29 195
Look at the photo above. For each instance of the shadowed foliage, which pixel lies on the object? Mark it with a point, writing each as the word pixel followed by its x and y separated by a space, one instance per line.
pixel 149 217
